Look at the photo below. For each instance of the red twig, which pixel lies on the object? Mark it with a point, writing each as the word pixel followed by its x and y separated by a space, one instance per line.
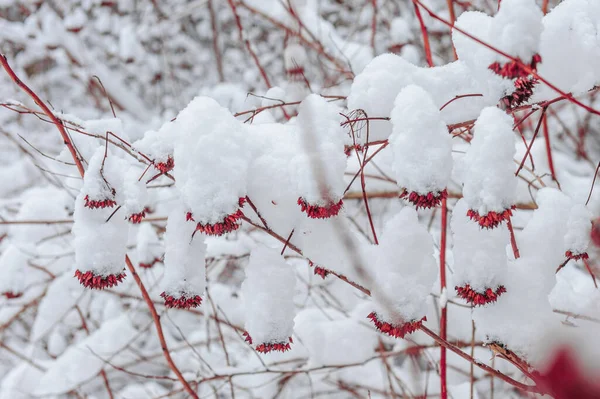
pixel 545 6
pixel 485 367
pixel 459 96
pixel 215 40
pixel 363 186
pixel 246 42
pixel 537 129
pixel 159 330
pixel 102 372
pixel 444 316
pixel 40 103
pixel 589 269
pixel 548 147
pixel 513 241
pixel 452 20
pixel 593 182
pixel 426 44
pixel 374 25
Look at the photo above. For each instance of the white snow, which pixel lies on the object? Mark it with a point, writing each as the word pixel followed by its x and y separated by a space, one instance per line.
pixel 135 193
pixel 13 263
pixel 492 149
pixel 420 143
pixel 480 258
pixel 100 246
pixel 211 160
pixel 516 29
pixel 268 293
pixel 320 161
pixel 579 227
pixel 570 48
pixel 185 272
pixel 83 361
pixel 405 269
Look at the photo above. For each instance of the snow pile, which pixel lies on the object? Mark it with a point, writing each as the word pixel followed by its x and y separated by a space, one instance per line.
pixel 475 55
pixel 543 238
pixel 211 164
pixel 480 261
pixel 516 29
pixel 135 195
pixel 159 146
pixel 100 240
pixel 405 272
pixel 488 167
pixel 185 272
pixel 422 148
pixel 81 362
pixel 149 249
pixel 375 89
pixel 13 263
pixel 271 176
pixel 579 229
pixel 103 180
pixel 525 310
pixel 570 48
pixel 320 162
pixel 332 245
pixel 268 293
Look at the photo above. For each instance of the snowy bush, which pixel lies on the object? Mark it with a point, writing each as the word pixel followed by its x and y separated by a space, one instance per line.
pixel 264 198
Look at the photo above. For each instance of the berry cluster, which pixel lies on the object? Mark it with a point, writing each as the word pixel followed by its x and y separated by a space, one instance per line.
pixel 182 302
pixel 430 200
pixel 270 346
pixel 166 166
pixel 91 280
pixel 513 69
pixel 479 298
pixel 320 212
pixel 491 219
pixel 318 270
pixel 396 331
pixel 94 204
pixel 576 256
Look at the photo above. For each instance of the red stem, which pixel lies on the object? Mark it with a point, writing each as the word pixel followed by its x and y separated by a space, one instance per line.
pixel 537 129
pixel 215 40
pixel 593 182
pixel 452 20
pixel 548 147
pixel 40 103
pixel 363 187
pixel 513 241
pixel 159 330
pixel 485 367
pixel 247 44
pixel 374 25
pixel 444 316
pixel 589 269
pixel 425 36
pixel 459 96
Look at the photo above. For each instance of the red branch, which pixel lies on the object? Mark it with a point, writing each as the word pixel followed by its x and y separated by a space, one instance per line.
pixel 159 330
pixel 444 315
pixel 40 103
pixel 426 44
